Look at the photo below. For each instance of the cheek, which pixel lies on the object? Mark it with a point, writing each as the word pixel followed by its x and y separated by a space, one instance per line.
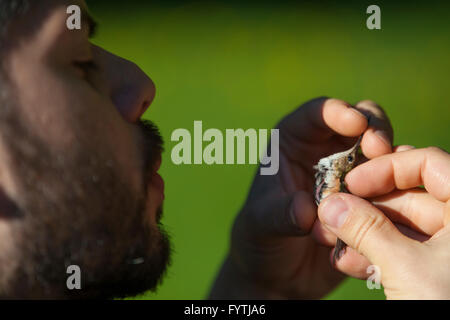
pixel 42 105
pixel 9 251
pixel 64 112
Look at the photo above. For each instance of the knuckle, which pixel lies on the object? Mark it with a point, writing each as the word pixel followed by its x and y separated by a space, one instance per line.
pixel 372 109
pixel 337 101
pixel 407 206
pixel 319 99
pixel 368 103
pixel 370 225
pixel 283 123
pixel 301 215
pixel 434 151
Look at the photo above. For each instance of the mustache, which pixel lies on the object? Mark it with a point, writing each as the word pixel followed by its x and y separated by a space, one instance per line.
pixel 153 144
pixel 153 147
pixel 151 134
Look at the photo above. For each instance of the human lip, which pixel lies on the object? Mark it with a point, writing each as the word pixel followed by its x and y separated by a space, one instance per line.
pixel 157 181
pixel 157 163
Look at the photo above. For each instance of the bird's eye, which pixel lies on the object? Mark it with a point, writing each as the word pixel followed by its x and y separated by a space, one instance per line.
pixel 350 158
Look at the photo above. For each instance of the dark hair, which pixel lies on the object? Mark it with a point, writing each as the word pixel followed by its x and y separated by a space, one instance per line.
pixel 9 9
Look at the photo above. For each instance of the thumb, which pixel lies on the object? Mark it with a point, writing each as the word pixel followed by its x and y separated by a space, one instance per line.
pixel 285 216
pixel 363 227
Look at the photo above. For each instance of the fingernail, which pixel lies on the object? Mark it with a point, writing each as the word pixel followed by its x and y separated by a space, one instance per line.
pixel 357 112
pixel 383 136
pixel 404 147
pixel 334 212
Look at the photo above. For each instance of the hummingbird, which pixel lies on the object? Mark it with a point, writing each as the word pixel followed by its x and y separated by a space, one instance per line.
pixel 330 174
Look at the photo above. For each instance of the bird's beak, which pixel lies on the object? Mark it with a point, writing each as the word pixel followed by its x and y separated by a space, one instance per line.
pixel 354 149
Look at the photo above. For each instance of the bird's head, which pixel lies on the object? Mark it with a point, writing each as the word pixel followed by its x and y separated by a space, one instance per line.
pixel 344 161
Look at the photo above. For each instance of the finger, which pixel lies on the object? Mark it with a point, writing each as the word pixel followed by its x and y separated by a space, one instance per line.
pixel 403 170
pixel 411 233
pixel 403 147
pixel 362 159
pixel 363 227
pixel 290 215
pixel 343 119
pixel 447 213
pixel 414 208
pixel 352 264
pixel 321 118
pixel 377 139
pixel 322 235
pixel 356 265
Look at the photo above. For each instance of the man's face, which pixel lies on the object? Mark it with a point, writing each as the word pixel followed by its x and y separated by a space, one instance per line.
pixel 78 169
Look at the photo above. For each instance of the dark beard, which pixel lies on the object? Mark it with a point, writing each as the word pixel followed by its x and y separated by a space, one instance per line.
pixel 75 209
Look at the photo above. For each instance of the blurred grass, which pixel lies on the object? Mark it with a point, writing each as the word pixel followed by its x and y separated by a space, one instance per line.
pixel 235 65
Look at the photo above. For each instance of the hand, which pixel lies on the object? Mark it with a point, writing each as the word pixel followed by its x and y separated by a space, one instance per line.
pixel 275 246
pixel 413 258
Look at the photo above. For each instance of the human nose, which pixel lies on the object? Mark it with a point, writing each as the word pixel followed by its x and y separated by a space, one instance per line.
pixel 130 89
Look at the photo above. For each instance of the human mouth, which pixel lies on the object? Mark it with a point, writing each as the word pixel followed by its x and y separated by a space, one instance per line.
pixel 157 181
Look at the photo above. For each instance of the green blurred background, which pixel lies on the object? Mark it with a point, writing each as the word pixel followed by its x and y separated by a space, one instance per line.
pixel 235 64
